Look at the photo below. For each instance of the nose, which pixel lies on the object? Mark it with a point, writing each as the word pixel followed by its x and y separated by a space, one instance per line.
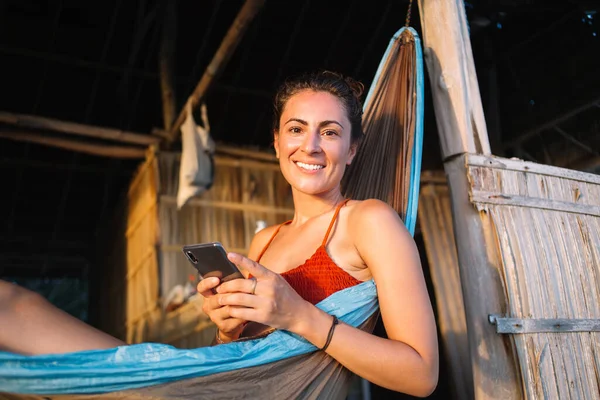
pixel 312 142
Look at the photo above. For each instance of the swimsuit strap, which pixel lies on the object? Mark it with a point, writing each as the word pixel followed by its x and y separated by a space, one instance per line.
pixel 337 211
pixel 270 240
pixel 333 219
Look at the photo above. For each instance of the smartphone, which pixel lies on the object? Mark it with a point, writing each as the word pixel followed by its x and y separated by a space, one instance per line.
pixel 210 260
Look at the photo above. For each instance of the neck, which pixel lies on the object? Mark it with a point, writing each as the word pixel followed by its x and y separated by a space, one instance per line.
pixel 309 206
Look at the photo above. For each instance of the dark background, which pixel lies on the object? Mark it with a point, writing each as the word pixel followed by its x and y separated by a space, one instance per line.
pixel 96 62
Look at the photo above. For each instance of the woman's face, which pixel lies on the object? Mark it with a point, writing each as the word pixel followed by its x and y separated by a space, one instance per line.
pixel 313 143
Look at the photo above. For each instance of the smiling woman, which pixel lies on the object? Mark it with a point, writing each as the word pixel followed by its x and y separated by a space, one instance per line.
pixel 333 249
pixel 313 144
pixel 331 243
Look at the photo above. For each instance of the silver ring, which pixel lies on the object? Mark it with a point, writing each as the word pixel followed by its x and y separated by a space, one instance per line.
pixel 254 286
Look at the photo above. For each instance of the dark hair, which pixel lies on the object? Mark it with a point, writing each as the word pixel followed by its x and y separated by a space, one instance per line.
pixel 346 89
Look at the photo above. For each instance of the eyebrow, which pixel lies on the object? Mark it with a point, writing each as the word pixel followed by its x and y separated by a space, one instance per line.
pixel 322 123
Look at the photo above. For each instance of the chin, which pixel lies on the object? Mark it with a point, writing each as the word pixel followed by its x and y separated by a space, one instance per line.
pixel 312 188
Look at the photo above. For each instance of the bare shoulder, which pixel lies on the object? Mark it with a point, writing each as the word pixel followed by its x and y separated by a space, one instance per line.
pixel 259 241
pixel 372 212
pixel 374 223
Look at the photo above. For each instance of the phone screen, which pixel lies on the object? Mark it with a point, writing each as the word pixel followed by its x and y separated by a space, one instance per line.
pixel 210 260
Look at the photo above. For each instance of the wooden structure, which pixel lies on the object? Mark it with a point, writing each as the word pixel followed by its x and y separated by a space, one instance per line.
pixel 149 262
pixel 526 236
pixel 435 223
pixel 545 224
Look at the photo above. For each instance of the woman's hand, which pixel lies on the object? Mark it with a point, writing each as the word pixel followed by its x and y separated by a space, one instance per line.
pixel 266 298
pixel 229 328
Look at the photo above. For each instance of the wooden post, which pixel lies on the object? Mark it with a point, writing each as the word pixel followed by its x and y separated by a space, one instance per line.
pixel 220 59
pixel 165 64
pixel 462 129
pixel 456 98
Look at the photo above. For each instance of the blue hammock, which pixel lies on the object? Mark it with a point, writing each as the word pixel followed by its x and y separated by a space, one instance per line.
pixel 144 365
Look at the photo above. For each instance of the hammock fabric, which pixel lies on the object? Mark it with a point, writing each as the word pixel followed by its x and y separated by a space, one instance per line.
pixel 282 365
pixel 393 126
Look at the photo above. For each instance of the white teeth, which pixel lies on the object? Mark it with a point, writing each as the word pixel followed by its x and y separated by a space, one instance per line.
pixel 311 167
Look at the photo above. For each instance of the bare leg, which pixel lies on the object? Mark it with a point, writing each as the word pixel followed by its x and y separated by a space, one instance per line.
pixel 31 325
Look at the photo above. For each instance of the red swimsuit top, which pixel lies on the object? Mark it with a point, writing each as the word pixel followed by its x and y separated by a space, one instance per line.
pixel 319 276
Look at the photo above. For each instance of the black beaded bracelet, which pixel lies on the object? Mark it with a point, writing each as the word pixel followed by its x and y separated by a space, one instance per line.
pixel 330 334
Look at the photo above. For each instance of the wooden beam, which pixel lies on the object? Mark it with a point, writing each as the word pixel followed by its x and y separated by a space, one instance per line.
pixel 72 128
pixel 166 61
pixel 246 153
pixel 457 102
pixel 494 368
pixel 220 59
pixel 74 145
pixel 22 162
pixel 462 129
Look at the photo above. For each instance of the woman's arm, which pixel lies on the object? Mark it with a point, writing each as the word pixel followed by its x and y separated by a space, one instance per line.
pixel 408 361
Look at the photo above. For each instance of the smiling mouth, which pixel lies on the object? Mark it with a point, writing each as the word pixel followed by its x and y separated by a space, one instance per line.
pixel 309 167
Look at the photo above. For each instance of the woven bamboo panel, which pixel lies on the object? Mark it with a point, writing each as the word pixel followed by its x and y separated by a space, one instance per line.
pixel 435 221
pixel 141 237
pixel 243 193
pixel 547 224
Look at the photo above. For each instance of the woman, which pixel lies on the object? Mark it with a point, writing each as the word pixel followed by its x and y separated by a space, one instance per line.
pixel 317 126
pixel 330 244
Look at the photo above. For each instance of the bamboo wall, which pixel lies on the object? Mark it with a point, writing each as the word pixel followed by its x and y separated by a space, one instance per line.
pixel 244 192
pixel 546 222
pixel 141 236
pixel 126 278
pixel 435 222
pixel 142 259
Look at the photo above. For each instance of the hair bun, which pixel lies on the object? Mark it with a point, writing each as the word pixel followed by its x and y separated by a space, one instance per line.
pixel 357 87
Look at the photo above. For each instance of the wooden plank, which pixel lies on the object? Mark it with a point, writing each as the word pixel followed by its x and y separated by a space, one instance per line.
pixel 435 221
pixel 495 374
pixel 550 267
pixel 237 157
pixel 479 160
pixel 224 52
pixel 72 128
pixel 241 152
pixel 456 98
pixel 94 149
pixel 228 205
pixel 483 197
pixel 166 62
pixel 537 325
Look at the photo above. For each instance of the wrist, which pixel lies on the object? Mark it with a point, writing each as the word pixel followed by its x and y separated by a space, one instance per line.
pixel 223 337
pixel 313 325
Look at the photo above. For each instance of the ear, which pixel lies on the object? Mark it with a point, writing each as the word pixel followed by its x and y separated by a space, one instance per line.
pixel 351 153
pixel 276 143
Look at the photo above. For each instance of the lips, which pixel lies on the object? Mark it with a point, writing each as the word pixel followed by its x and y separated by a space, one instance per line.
pixel 309 166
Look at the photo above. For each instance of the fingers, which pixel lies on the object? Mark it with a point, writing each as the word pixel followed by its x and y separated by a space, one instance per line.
pixel 239 285
pixel 221 315
pixel 252 267
pixel 239 300
pixel 205 286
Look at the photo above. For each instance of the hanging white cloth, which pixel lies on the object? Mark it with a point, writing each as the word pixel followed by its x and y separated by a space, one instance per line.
pixel 196 171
